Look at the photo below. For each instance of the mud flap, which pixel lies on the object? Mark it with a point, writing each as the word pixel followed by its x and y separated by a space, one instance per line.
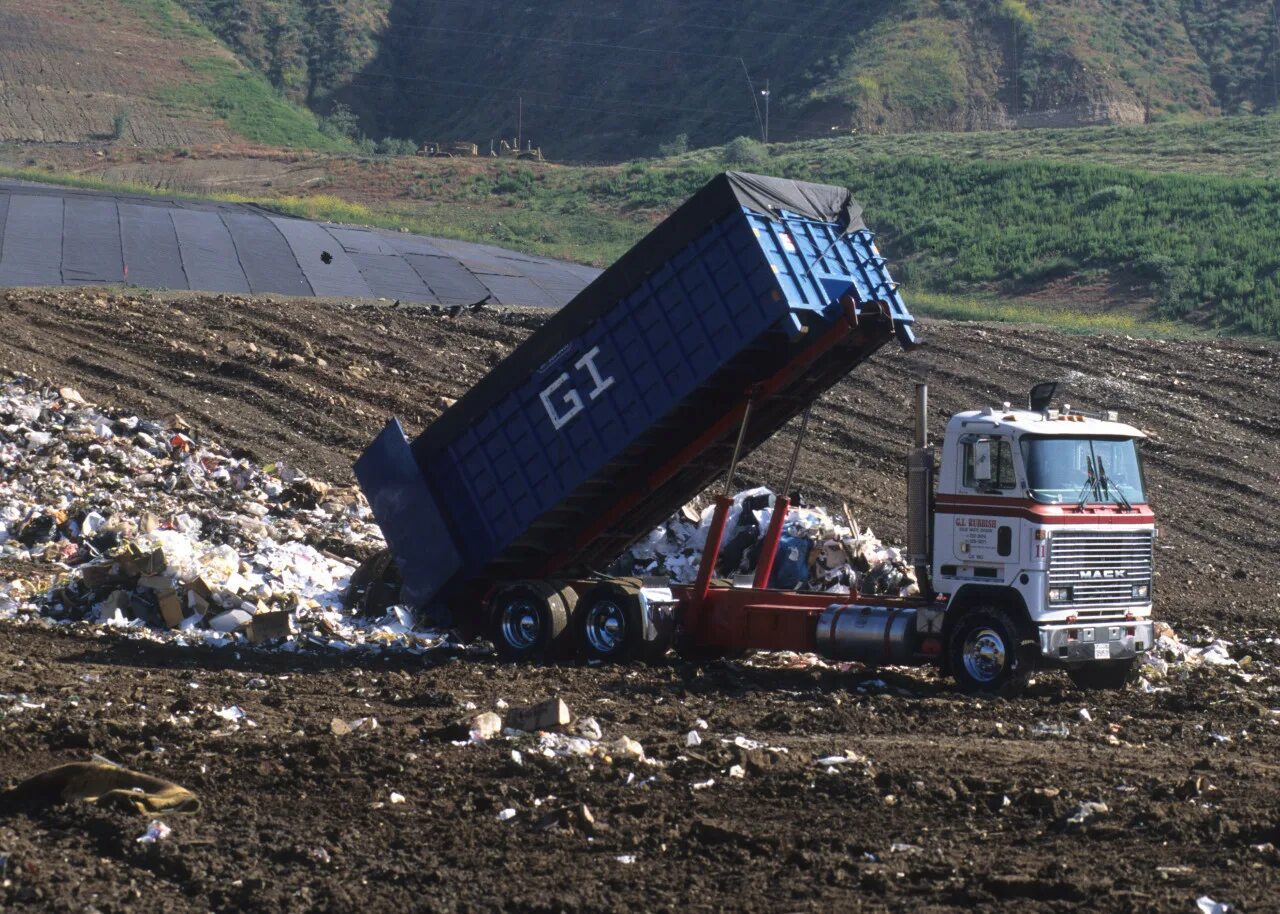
pixel 407 512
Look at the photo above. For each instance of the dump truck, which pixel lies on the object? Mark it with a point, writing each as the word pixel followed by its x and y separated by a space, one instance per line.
pixel 1029 529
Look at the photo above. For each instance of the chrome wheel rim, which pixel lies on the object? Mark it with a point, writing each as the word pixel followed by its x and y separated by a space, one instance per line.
pixel 984 655
pixel 606 627
pixel 520 624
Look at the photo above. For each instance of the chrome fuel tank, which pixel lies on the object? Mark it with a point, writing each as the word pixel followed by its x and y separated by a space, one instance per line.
pixel 882 635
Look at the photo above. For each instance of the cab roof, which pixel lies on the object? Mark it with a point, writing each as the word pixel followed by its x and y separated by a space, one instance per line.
pixel 1022 421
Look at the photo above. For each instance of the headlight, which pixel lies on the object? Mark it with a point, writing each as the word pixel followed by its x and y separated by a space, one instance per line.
pixel 1060 595
pixel 1141 591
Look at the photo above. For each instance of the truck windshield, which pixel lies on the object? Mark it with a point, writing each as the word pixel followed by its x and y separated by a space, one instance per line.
pixel 1070 469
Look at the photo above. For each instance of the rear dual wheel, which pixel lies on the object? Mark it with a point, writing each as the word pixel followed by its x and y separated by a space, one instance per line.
pixel 530 619
pixel 609 625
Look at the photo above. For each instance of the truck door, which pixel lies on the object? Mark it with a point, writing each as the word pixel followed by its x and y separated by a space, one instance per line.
pixel 987 473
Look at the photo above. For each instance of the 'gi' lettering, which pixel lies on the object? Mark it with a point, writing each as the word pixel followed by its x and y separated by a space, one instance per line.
pixel 562 407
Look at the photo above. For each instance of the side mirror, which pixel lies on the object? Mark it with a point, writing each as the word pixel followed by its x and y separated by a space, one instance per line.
pixel 982 460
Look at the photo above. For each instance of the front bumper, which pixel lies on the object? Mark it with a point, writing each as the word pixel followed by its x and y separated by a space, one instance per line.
pixel 1086 642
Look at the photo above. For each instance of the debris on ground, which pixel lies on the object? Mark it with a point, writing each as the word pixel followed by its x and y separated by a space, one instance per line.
pixel 547 715
pixel 150 528
pixel 156 831
pixel 101 783
pixel 1086 811
pixel 816 552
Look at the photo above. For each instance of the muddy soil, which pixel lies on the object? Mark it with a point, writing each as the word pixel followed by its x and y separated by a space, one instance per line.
pixel 948 803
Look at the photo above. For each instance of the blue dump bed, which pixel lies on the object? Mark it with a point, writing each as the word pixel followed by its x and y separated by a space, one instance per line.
pixel 627 403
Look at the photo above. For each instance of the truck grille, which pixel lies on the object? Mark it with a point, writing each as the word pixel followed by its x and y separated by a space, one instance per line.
pixel 1101 568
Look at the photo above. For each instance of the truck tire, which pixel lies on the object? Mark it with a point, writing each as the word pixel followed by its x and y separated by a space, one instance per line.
pixel 530 619
pixel 1102 675
pixel 988 653
pixel 609 625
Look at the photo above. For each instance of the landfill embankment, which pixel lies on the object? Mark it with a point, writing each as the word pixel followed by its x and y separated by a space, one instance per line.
pixel 365 768
pixel 308 383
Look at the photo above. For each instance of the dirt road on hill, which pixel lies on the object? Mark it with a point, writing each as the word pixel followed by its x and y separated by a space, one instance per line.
pixel 941 802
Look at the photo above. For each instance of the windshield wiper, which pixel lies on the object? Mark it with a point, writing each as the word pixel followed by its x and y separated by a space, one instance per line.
pixel 1107 490
pixel 1090 485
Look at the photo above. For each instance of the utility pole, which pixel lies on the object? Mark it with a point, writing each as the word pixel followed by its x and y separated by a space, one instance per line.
pixel 519 123
pixel 765 93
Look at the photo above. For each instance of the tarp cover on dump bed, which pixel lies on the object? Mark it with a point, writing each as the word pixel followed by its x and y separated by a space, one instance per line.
pixel 724 194
pixel 624 405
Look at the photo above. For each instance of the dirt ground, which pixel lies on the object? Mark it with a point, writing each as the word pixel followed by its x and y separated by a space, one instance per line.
pixel 950 804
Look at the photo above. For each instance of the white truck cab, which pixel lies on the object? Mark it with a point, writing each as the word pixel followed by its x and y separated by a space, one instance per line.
pixel 1042 543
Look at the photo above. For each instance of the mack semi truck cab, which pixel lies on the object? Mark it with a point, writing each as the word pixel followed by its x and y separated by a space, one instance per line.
pixel 1038 538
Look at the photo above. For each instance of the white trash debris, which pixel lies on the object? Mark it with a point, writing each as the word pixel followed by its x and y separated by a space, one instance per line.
pixel 626 747
pixel 233 713
pixel 156 831
pixel 485 727
pixel 559 745
pixel 590 728
pixel 1087 811
pixel 693 738
pixel 1206 905
pixel 626 858
pixel 1084 715
pixel 506 815
pixel 396 798
pixel 816 552
pixel 737 771
pixel 174 538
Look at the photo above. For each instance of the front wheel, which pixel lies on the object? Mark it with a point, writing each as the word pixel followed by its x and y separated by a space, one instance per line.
pixel 988 654
pixel 1100 675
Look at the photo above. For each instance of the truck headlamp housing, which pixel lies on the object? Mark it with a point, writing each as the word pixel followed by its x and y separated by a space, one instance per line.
pixel 1141 591
pixel 1059 594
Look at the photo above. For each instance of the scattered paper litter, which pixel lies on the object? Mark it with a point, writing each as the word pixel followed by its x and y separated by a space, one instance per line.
pixel 156 831
pixel 172 537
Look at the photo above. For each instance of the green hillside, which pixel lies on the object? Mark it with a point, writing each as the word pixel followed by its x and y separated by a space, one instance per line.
pixel 1203 250
pixel 136 72
pixel 1024 223
pixel 613 80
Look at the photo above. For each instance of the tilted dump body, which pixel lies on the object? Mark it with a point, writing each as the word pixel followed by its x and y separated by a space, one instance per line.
pixel 627 403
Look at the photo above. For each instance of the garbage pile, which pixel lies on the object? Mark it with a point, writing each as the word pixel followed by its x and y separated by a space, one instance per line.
pixel 143 525
pixel 1171 656
pixel 816 552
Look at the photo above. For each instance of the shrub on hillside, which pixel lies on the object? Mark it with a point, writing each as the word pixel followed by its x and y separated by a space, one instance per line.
pixel 394 146
pixel 678 146
pixel 744 151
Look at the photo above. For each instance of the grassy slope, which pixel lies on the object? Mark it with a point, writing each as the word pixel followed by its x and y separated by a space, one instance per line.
pixel 162 76
pixel 978 218
pixel 218 83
